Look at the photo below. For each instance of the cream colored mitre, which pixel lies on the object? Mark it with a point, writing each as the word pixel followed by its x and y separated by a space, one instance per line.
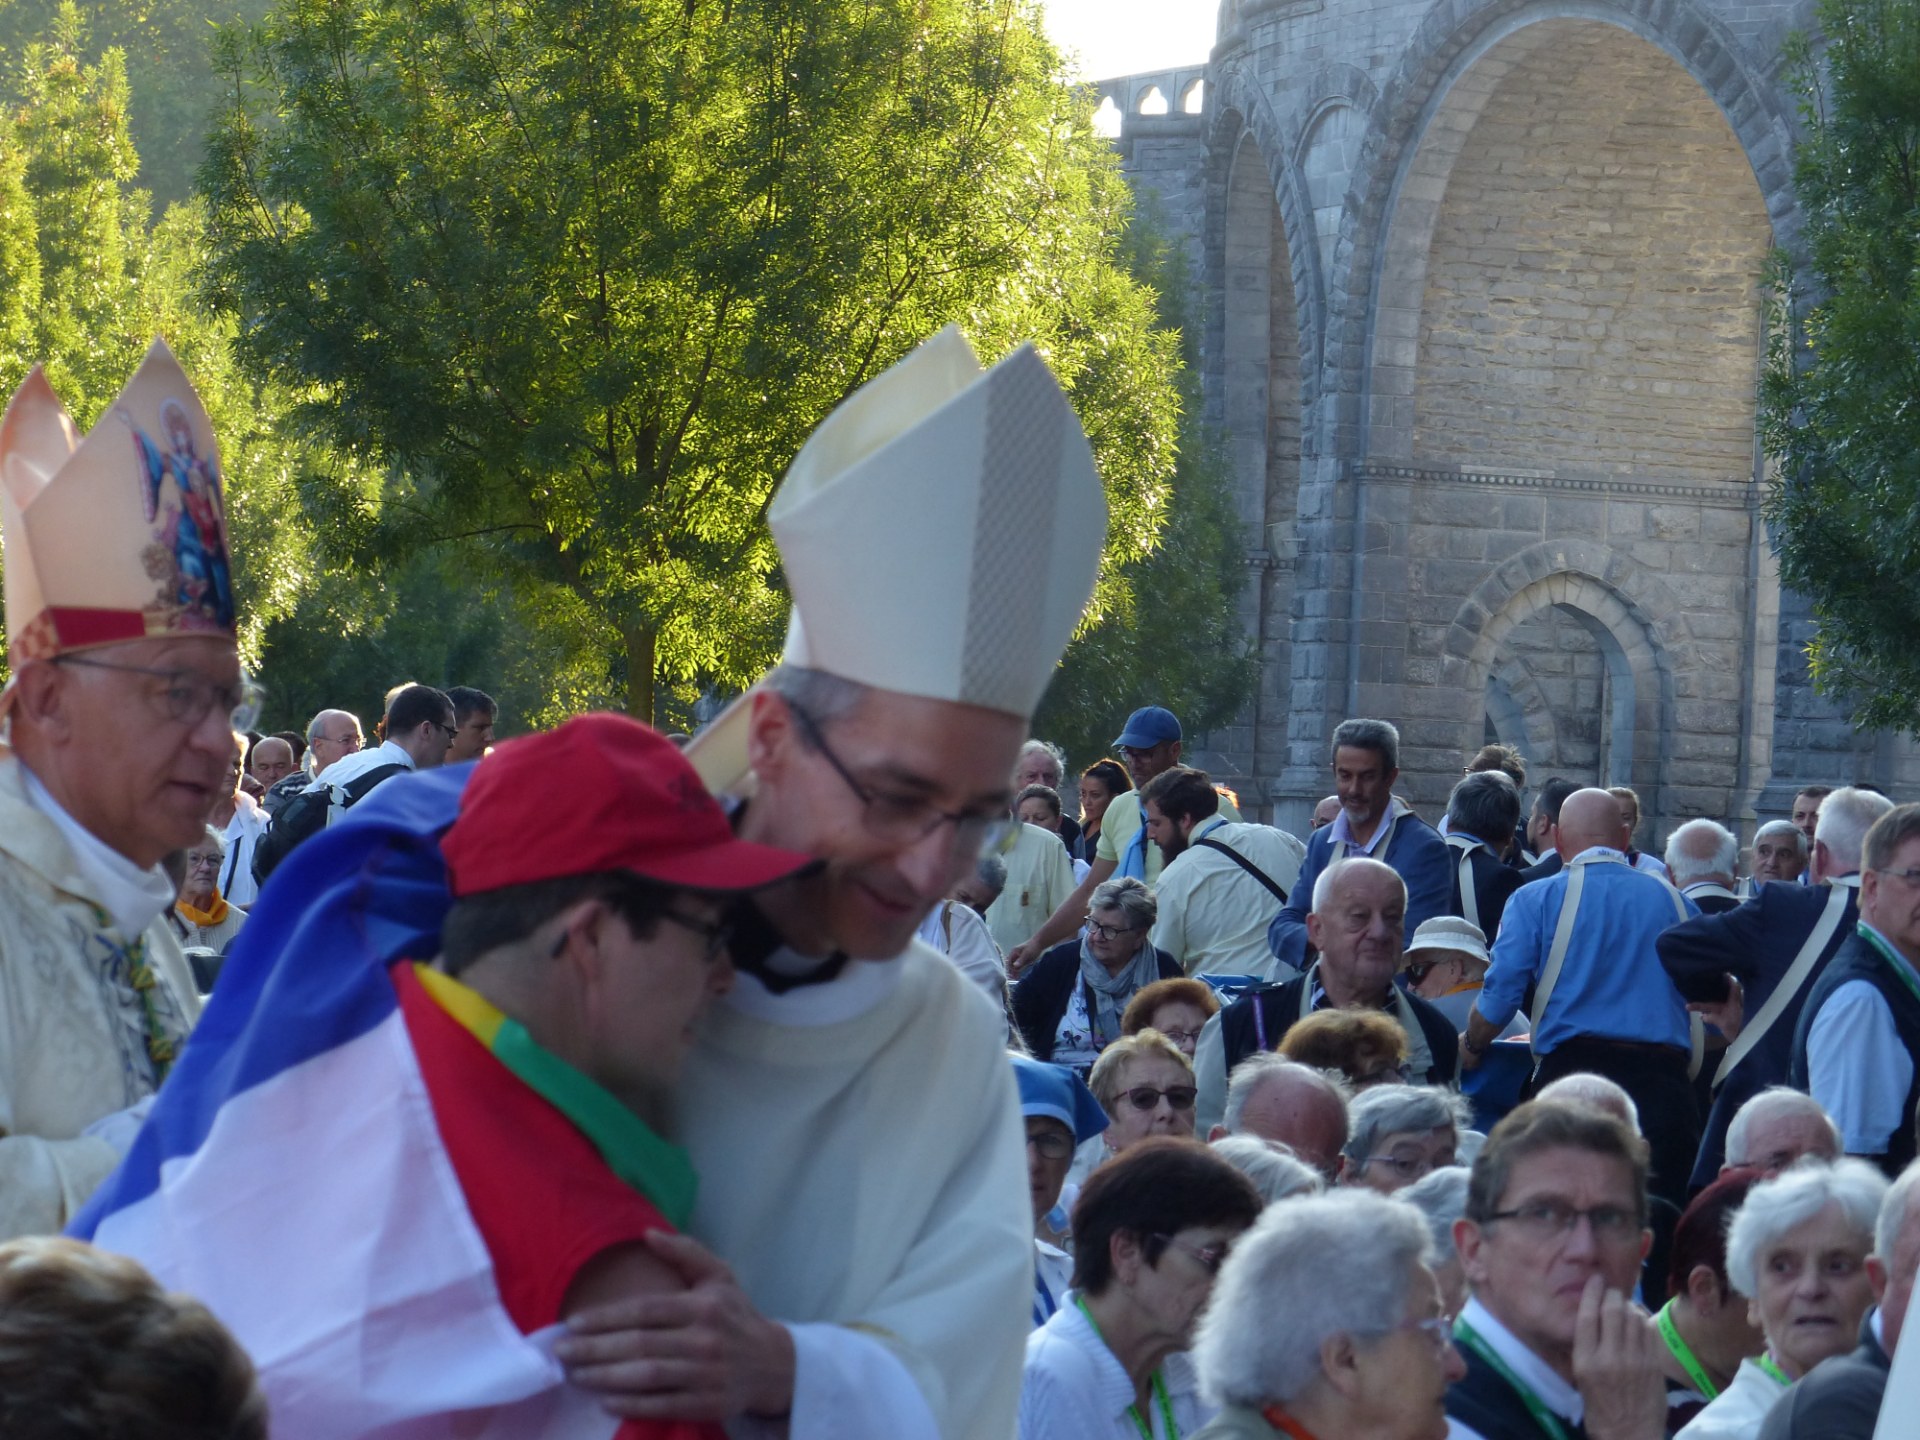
pixel 941 534
pixel 119 535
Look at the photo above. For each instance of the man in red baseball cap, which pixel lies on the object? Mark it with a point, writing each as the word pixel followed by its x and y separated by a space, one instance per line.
pixel 590 871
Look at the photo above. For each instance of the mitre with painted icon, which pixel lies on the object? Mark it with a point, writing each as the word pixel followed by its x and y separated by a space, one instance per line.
pixel 119 535
pixel 941 534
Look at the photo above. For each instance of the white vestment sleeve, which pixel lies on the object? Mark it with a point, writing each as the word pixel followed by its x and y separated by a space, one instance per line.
pixel 846 1386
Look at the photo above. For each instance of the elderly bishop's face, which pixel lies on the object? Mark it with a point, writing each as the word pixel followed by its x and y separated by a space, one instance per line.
pixel 135 740
pixel 896 796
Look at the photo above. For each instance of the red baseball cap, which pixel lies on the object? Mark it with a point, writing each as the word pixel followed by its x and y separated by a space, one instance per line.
pixel 601 792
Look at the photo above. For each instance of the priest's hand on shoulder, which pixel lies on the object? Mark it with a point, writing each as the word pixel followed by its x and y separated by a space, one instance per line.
pixel 1617 1368
pixel 693 1349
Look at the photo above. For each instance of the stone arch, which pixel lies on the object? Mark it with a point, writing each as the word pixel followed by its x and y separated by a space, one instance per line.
pixel 1193 99
pixel 1449 45
pixel 1646 644
pixel 1521 714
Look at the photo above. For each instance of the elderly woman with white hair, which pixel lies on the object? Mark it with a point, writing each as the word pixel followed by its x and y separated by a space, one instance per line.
pixel 1398 1133
pixel 1797 1249
pixel 1272 1168
pixel 1326 1323
pixel 1441 1199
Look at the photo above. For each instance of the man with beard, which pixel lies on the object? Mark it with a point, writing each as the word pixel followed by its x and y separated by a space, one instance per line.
pixel 1220 882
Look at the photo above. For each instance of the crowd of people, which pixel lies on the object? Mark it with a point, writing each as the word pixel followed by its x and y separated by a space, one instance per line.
pixel 602 1083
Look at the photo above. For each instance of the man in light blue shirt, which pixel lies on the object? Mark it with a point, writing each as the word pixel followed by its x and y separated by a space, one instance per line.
pixel 1583 942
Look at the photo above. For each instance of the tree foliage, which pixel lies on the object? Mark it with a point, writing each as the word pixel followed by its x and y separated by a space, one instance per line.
pixel 1840 400
pixel 88 282
pixel 168 44
pixel 581 275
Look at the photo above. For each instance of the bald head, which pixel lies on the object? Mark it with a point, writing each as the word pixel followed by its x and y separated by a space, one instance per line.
pixel 272 760
pixel 1590 818
pixel 1301 1108
pixel 1358 924
pixel 1326 812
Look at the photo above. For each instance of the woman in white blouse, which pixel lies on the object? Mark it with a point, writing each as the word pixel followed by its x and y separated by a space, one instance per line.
pixel 1151 1230
pixel 1797 1249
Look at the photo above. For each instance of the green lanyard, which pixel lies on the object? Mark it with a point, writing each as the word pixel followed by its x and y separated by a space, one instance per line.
pixel 1158 1385
pixel 1549 1422
pixel 1683 1352
pixel 1772 1367
pixel 1894 962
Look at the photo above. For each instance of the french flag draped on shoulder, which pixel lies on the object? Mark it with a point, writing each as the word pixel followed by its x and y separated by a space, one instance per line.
pixel 292 1177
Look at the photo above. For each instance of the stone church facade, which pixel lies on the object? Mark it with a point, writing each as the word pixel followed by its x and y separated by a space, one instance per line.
pixel 1482 321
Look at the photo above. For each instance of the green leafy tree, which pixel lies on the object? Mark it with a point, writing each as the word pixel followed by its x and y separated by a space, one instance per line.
pixel 88 282
pixel 1175 638
pixel 581 275
pixel 1840 398
pixel 169 45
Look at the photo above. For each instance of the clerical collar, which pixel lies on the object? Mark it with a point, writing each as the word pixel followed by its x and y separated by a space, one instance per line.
pixel 132 897
pixel 761 951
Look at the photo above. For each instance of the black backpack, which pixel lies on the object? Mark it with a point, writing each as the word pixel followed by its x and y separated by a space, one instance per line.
pixel 306 814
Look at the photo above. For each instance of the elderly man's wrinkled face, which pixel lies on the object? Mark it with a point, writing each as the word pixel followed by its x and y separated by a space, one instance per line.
pixel 1326 812
pixel 139 737
pixel 1776 856
pixel 1571 1215
pixel 1363 782
pixel 1361 930
pixel 1890 898
pixel 1780 1139
pixel 272 761
pixel 896 796
pixel 1036 767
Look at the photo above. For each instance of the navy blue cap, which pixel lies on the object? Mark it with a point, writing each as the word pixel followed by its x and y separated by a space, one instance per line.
pixel 1148 726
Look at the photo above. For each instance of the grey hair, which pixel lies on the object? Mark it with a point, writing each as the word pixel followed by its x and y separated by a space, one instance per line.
pixel 1440 1196
pixel 1324 883
pixel 1894 1212
pixel 1130 897
pixel 1701 847
pixel 1251 1075
pixel 1308 1270
pixel 1790 1199
pixel 218 841
pixel 1845 817
pixel 1389 1109
pixel 1375 735
pixel 1053 753
pixel 1787 828
pixel 1485 805
pixel 1275 1173
pixel 992 871
pixel 1774 1100
pixel 1596 1092
pixel 823 697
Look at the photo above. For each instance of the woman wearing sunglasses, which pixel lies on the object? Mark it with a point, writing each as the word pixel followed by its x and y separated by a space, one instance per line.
pixel 1151 1231
pixel 1145 1084
pixel 1071 1004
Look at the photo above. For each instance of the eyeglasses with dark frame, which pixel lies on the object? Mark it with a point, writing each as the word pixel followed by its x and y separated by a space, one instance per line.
pixel 1147 1097
pixel 717 933
pixel 1555 1219
pixel 904 821
pixel 1110 932
pixel 188 698
pixel 1051 1144
pixel 1208 1257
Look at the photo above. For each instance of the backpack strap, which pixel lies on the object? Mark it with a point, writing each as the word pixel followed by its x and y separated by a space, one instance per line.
pixel 1469 897
pixel 1245 864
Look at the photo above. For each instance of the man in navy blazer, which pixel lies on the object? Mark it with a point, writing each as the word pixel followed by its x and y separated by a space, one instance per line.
pixel 1756 943
pixel 1373 823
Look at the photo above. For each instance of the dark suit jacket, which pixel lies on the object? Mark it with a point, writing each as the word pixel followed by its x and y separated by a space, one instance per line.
pixel 1754 942
pixel 1839 1399
pixel 1549 865
pixel 1493 881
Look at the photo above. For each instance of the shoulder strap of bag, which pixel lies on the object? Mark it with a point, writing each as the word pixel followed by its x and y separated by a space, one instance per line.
pixel 1245 864
pixel 1469 897
pixel 1790 984
pixel 1557 953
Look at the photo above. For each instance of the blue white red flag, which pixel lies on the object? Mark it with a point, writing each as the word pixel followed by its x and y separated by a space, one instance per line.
pixel 291 1175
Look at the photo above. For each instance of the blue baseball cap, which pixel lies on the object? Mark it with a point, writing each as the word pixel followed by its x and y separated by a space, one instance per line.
pixel 1148 726
pixel 1057 1093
